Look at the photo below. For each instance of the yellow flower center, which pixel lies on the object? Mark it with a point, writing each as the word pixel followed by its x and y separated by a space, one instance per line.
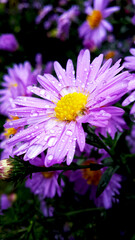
pixel 70 106
pixel 110 54
pixel 92 177
pixel 94 19
pixel 48 174
pixel 13 85
pixel 9 131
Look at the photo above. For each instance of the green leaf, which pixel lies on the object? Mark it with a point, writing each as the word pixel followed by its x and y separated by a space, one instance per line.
pixel 105 179
pixel 107 162
pixel 93 139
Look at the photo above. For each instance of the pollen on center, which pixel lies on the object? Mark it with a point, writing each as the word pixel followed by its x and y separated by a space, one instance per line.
pixel 70 106
pixel 94 19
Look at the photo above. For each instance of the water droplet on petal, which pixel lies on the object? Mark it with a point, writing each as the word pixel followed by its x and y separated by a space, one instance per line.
pixel 42 92
pixel 33 115
pixel 51 131
pixel 69 133
pixel 131 98
pixel 60 77
pixel 50 157
pixel 52 141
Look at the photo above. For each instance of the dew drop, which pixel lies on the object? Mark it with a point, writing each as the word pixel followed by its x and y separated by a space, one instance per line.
pixel 131 98
pixel 60 77
pixel 52 141
pixel 50 157
pixel 69 133
pixel 46 106
pixel 42 92
pixel 46 137
pixel 51 131
pixel 33 115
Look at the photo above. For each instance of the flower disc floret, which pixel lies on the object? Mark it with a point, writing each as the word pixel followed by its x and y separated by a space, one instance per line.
pixel 92 177
pixel 94 19
pixel 70 106
pixel 48 174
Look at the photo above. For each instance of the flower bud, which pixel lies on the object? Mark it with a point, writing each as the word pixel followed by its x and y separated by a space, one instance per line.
pixel 5 168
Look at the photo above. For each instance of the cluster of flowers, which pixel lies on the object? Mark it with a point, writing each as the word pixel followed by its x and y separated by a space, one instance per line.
pixel 57 22
pixel 47 128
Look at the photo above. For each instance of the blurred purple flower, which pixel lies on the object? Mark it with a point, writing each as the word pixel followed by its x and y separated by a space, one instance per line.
pixel 133 20
pixel 95 27
pixel 43 12
pixel 130 60
pixel 15 84
pixel 130 64
pixel 87 180
pixel 4 203
pixel 131 140
pixel 8 42
pixel 64 22
pixel 47 210
pixel 44 184
pixel 48 67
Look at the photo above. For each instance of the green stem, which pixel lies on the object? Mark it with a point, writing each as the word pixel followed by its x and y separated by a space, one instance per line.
pixel 81 211
pixel 65 168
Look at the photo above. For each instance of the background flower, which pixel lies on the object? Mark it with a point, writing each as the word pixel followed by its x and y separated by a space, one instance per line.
pixel 8 42
pixel 95 28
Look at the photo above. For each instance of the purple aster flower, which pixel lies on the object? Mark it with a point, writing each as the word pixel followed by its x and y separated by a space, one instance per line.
pixel 6 201
pixel 130 60
pixel 95 27
pixel 115 124
pixel 130 64
pixel 43 12
pixel 46 209
pixel 7 151
pixel 3 1
pixel 15 84
pixel 131 98
pixel 8 42
pixel 64 22
pixel 131 140
pixel 87 180
pixel 55 121
pixel 48 67
pixel 44 184
pixel 133 20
